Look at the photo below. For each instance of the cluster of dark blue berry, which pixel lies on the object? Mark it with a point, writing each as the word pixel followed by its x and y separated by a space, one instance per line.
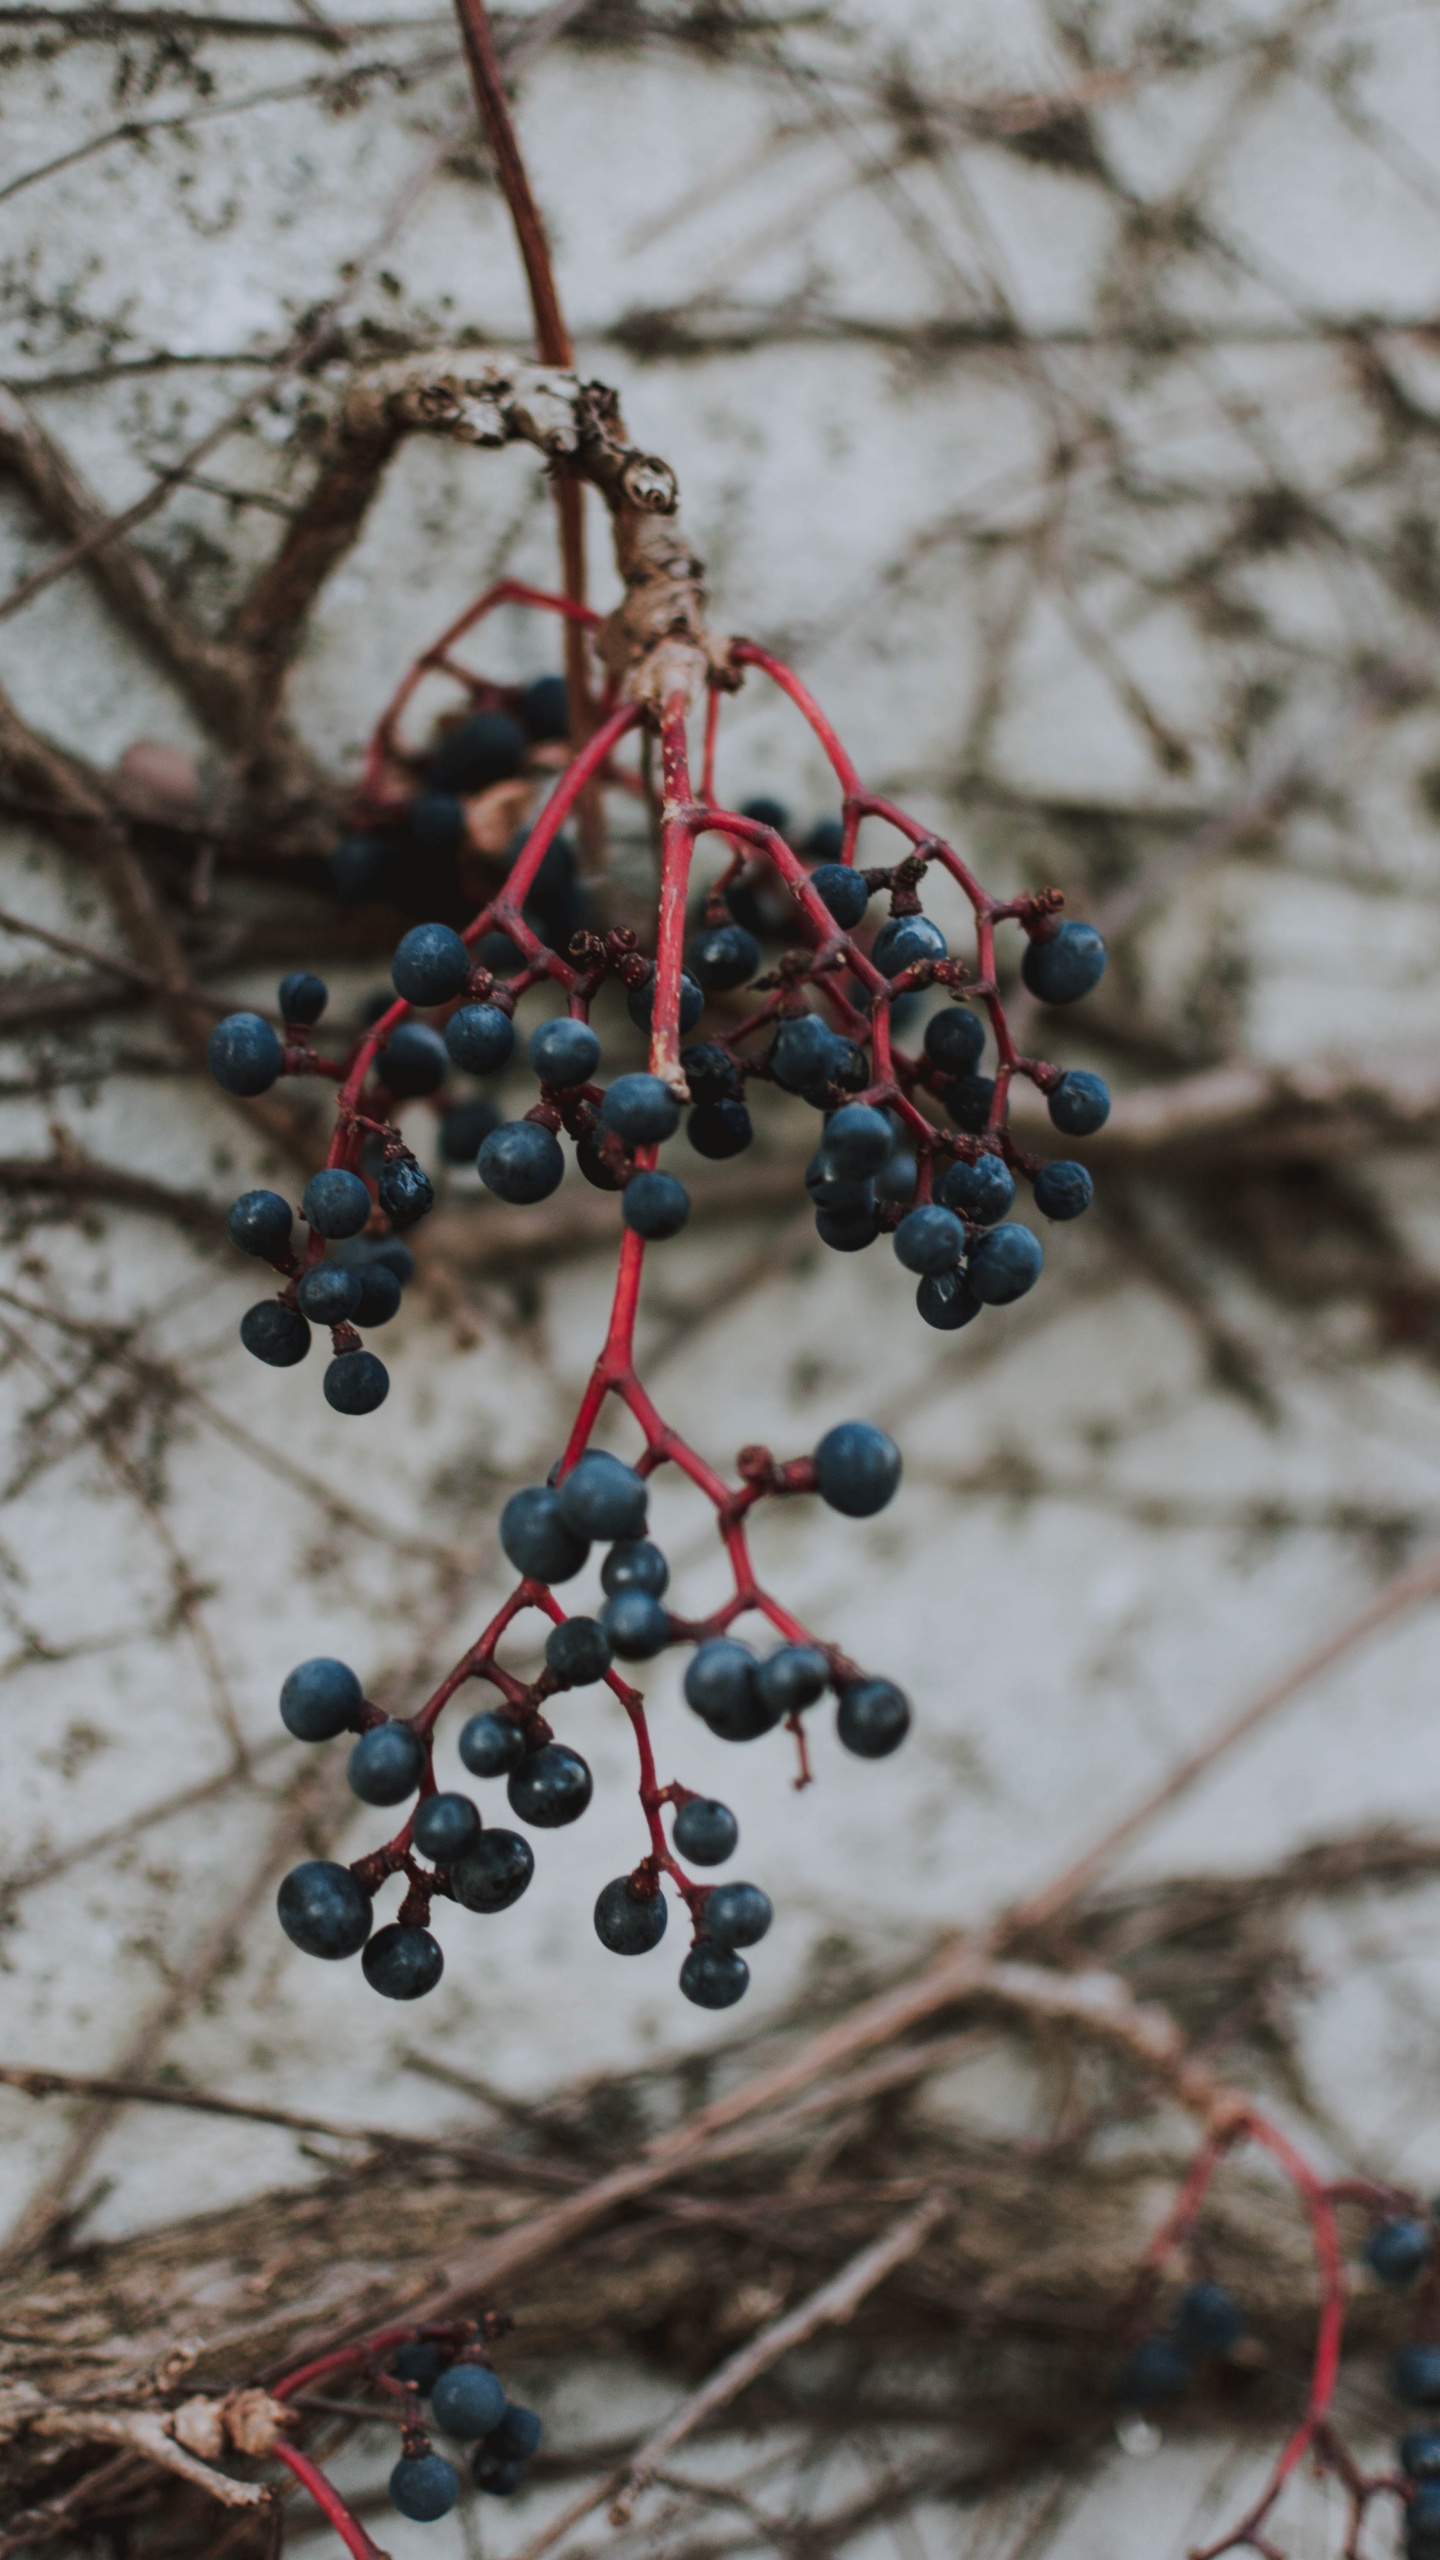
pixel 1207 2322
pixel 1398 2251
pixel 468 2404
pixel 547 1532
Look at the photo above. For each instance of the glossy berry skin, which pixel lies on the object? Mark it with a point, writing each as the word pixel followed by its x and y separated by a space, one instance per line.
pixel 706 1832
pixel 463 1129
pixel 947 1301
pixel 636 1625
pixel 323 1911
pixel 1208 2320
pixel 357 1383
pixel 858 1468
pixel 1063 1190
pixel 1397 2250
pixel 424 2487
pixel 858 1140
pixel 490 1745
pixel 386 1764
pixel 968 1100
pixel 401 1963
pixel 848 1230
pixel 1066 966
pixel 485 748
pixel 627 1922
pixel 480 1038
pixel 641 1110
pixel 538 1539
pixel 1420 2454
pixel 635 1564
pixel 545 710
pixel 792 1678
pixel 724 956
pixel 1004 1263
pixel 843 891
pixel 467 2401
pixel 431 964
pixel 603 1498
pixel 805 1053
pixel 714 1977
pixel 420 2362
pixel 564 1052
pixel 551 1788
pixel 277 1335
pixel 1416 2374
pixel 259 1224
pixel 981 1192
pixel 521 1162
pixel 1157 2371
pixel 844 1193
pixel 379 1294
pixel 494 1873
pixel 640 1003
pixel 872 1719
pixel 1080 1103
pixel 711 1074
pixel 655 1206
pixel 720 1686
pixel 444 1827
pixel 578 1651
pixel 406 1194
pixel 720 1129
pixel 414 1061
pixel 955 1040
pixel 335 1203
pixel 328 1293
pixel 903 941
pixel 244 1055
pixel 737 1915
pixel 929 1239
pixel 319 1699
pixel 303 997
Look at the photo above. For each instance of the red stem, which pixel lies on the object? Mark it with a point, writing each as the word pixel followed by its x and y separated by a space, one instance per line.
pixel 328 2499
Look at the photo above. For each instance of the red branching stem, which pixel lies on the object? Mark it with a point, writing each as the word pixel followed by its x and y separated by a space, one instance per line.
pixel 328 2499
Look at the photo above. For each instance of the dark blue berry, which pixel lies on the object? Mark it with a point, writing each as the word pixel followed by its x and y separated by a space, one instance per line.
pixel 406 1194
pixel 319 1699
pixel 323 1911
pixel 968 1100
pixel 724 956
pixel 981 1192
pixel 1420 2454
pixel 518 2435
pixel 641 1110
pixel 521 1162
pixel 1080 1103
pixel 538 1539
pixel 637 1626
pixel 830 1188
pixel 379 1293
pixel 1397 2250
pixel 420 2362
pixel 335 1203
pixel 720 1686
pixel 485 748
pixel 498 953
pixel 873 1718
pixel 468 2400
pixel 386 1764
pixel 767 812
pixel 357 868
pixel 903 941
pixel 431 964
pixel 706 1832
pixel 848 1230
pixel 329 1293
pixel 640 1002
pixel 551 1788
pixel 929 1239
pixel 1157 2371
pixel 947 1301
pixel 737 1915
pixel 444 1827
pixel 843 891
pixel 303 997
pixel 595 1168
pixel 244 1054
pixel 402 1964
pixel 394 1256
pixel 955 1040
pixel 277 1335
pixel 545 710
pixel 655 1205
pixel 490 1745
pixel 578 1651
pixel 627 1922
pixel 792 1678
pixel 1003 1264
pixel 423 2486
pixel 494 1873
pixel 603 1498
pixel 413 1061
pixel 435 824
pixel 858 1140
pixel 564 1052
pixel 1063 1190
pixel 1422 2523
pixel 259 1224
pixel 480 1038
pixel 858 1469
pixel 805 1053
pixel 825 841
pixel 719 1129
pixel 1066 965
pixel 1416 2374
pixel 357 1383
pixel 1208 2320
pixel 495 2475
pixel 463 1129
pixel 635 1564
pixel 714 1977
pixel 711 1073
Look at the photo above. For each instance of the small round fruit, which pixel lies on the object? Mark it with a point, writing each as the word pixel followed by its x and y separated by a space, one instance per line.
pixel 641 1110
pixel 603 1498
pixel 655 1206
pixel 903 941
pixel 981 1192
pixel 968 1100
pixel 435 825
pixel 335 1203
pixel 379 1294
pixel 386 1764
pixel 595 1166
pixel 706 1832
pixel 463 1128
pixel 537 1537
pixel 259 1224
pixel 490 1745
pixel 328 1293
pixel 303 997
pixel 1420 2453
pixel 947 1301
pixel 564 1052
pixel 858 1140
pixel 1080 1103
pixel 1416 2374
pixel 277 1335
pixel 711 1073
pixel 714 1977
pixel 1004 1264
pixel 551 1788
pixel 848 1230
pixel 521 1162
pixel 719 1129
pixel 494 2475
pixel 806 1053
pixel 420 2362
pixel 578 1652
pixel 494 1873
pixel 431 964
pixel 484 748
pixel 873 1718
pixel 518 2435
pixel 1208 2320
pixel 724 956
pixel 640 1003
pixel 319 1699
pixel 637 1626
pixel 357 1382
pixel 358 867
pixel 424 2486
pixel 480 1038
pixel 445 1826
pixel 929 1239
pixel 401 1963
pixel 1063 1190
pixel 737 1915
pixel 720 1685
pixel 244 1054
pixel 1157 2371
pixel 635 1564
pixel 1397 2249
pixel 406 1194
pixel 468 2400
pixel 545 710
pixel 792 1678
pixel 843 891
pixel 1065 965
pixel 413 1061
pixel 627 1922
pixel 858 1469
pixel 323 1911
pixel 955 1040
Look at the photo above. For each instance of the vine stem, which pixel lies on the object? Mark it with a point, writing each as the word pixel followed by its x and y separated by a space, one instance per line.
pixel 328 2499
